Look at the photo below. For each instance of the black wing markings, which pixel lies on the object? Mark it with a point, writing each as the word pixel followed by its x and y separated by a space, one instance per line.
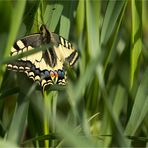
pixel 46 67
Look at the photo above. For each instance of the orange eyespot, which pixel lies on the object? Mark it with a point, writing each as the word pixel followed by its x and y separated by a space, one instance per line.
pixel 52 74
pixel 56 74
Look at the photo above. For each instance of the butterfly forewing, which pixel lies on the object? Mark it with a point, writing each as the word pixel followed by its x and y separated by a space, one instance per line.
pixel 46 66
pixel 64 49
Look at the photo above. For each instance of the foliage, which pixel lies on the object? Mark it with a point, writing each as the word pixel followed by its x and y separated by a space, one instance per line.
pixel 106 100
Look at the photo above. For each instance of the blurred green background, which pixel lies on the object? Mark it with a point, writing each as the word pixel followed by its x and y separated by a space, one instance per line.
pixel 105 102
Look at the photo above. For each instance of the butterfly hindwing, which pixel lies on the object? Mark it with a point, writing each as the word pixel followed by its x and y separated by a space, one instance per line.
pixel 45 67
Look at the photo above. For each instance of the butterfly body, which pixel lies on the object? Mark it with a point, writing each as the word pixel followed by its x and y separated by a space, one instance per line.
pixel 45 67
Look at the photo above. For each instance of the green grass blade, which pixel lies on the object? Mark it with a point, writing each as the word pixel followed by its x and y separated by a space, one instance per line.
pixel 112 13
pixel 17 15
pixel 18 123
pixel 23 54
pixel 6 144
pixel 80 17
pixel 110 118
pixel 140 107
pixel 120 97
pixel 66 20
pixel 69 137
pixel 29 14
pixel 136 37
pixel 52 15
pixel 110 51
pixel 92 20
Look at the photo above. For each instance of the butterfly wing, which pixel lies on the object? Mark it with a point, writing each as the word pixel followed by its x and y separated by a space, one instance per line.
pixel 36 66
pixel 45 67
pixel 64 49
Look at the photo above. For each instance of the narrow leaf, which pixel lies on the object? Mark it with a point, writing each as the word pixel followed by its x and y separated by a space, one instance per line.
pixel 140 107
pixel 136 43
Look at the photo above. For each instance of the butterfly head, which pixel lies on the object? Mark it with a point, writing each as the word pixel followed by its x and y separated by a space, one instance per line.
pixel 45 33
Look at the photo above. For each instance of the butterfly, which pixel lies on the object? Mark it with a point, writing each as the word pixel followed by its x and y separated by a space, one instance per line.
pixel 47 66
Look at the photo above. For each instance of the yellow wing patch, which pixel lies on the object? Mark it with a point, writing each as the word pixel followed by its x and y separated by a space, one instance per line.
pixel 45 67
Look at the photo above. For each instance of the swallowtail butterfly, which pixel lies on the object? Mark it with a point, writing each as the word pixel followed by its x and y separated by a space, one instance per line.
pixel 45 67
